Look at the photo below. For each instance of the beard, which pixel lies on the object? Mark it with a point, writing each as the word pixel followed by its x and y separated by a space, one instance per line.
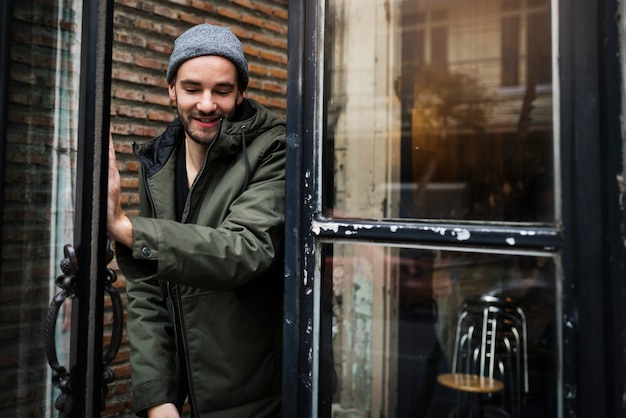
pixel 201 136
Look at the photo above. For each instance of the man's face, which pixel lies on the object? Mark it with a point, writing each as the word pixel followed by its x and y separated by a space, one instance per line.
pixel 205 90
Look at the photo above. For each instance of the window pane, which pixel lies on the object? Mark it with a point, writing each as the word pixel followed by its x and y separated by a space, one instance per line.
pixel 439 110
pixel 39 198
pixel 396 320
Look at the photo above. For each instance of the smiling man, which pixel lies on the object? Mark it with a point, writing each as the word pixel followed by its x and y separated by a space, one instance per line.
pixel 204 258
pixel 205 92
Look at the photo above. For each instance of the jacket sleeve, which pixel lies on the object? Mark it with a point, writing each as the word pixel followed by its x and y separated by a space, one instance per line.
pixel 150 333
pixel 242 246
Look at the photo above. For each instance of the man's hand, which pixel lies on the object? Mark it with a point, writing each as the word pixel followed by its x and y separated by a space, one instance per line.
pixel 167 410
pixel 119 227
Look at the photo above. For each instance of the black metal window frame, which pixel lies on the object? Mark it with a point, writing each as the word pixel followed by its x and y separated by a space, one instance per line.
pixel 589 241
pixel 5 27
pixel 86 349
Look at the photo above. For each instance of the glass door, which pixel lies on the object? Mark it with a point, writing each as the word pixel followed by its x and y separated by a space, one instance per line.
pixel 442 121
pixel 54 105
pixel 448 160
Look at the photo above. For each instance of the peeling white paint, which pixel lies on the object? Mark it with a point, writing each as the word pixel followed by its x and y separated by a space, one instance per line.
pixel 620 186
pixel 529 233
pixel 439 230
pixel 317 227
pixel 462 234
pixel 570 392
pixel 510 241
pixel 394 228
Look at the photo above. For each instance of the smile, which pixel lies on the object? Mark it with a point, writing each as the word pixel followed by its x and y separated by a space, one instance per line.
pixel 206 123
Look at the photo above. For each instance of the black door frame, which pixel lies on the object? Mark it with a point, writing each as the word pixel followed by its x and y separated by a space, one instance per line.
pixel 86 351
pixel 592 158
pixel 590 240
pixel 5 30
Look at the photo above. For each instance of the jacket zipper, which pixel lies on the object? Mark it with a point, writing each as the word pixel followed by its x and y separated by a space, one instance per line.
pixel 178 310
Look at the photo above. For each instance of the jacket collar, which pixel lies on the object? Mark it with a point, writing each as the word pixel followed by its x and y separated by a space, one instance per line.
pixel 250 116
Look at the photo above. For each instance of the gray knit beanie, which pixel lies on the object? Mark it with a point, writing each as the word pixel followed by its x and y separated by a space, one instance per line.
pixel 208 39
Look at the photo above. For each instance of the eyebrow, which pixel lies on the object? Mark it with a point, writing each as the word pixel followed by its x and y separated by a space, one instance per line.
pixel 187 81
pixel 191 82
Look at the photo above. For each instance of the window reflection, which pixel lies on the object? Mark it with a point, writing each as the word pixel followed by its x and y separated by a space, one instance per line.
pixel 439 110
pixel 39 197
pixel 391 328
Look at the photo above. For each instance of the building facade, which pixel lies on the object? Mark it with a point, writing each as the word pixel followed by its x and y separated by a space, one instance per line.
pixel 454 199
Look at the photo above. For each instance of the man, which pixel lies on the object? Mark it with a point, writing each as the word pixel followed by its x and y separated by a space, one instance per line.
pixel 204 259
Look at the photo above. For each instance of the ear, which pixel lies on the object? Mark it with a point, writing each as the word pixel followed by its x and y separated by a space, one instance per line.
pixel 172 91
pixel 239 97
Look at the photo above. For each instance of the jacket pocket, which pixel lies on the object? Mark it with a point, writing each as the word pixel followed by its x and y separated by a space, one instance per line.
pixel 232 360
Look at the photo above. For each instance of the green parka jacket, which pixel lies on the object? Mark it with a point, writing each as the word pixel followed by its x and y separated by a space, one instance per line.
pixel 208 290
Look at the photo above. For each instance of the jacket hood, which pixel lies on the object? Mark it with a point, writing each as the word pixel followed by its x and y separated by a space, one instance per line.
pixel 154 154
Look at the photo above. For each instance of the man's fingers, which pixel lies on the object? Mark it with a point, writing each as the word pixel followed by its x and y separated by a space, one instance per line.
pixel 111 149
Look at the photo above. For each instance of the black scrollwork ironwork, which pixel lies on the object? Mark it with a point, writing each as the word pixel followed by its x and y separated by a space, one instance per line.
pixel 67 282
pixel 61 377
pixel 118 324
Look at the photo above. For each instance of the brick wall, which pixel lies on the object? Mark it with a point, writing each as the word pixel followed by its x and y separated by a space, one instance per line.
pixel 41 150
pixel 144 31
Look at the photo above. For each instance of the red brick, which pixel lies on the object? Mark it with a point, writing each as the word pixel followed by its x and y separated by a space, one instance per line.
pixel 280 73
pixel 161 99
pixel 166 11
pixel 281 13
pixel 165 116
pixel 274 88
pixel 161 47
pixel 131 111
pixel 202 6
pixel 130 183
pixel 262 38
pixel 252 20
pixel 264 8
pixel 244 3
pixel 191 19
pixel 228 13
pixel 132 166
pixel 243 34
pixel 152 62
pixel 251 51
pixel 275 27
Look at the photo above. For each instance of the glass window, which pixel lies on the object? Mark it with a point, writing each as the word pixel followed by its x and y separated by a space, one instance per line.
pixel 39 198
pixel 396 321
pixel 439 110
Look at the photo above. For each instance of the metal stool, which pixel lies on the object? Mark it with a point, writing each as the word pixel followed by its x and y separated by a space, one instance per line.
pixel 491 342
